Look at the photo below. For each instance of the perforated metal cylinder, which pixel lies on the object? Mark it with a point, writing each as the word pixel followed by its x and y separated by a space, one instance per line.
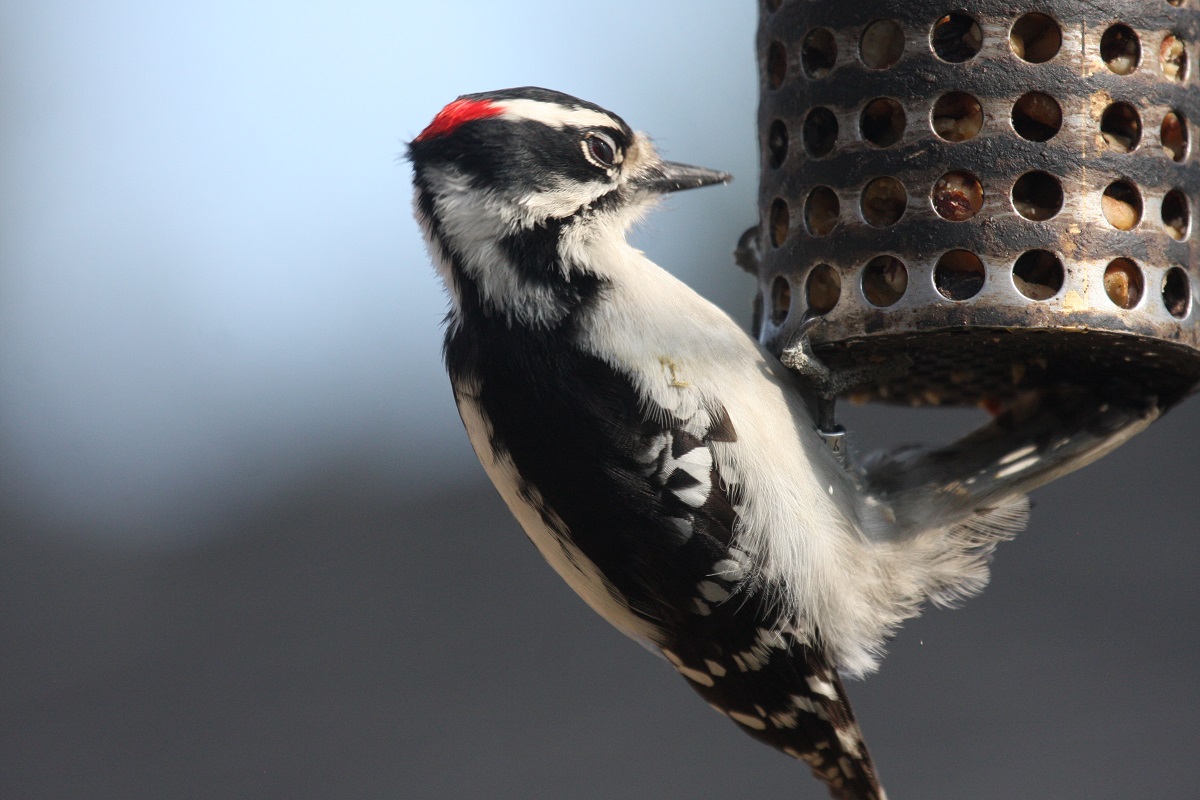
pixel 1006 196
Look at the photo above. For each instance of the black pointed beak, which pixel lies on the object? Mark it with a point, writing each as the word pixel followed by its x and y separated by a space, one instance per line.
pixel 669 176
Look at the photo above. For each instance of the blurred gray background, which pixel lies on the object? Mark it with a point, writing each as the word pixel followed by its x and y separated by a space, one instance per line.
pixel 245 550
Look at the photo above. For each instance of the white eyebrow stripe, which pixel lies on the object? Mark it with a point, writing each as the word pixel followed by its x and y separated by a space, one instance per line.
pixel 554 115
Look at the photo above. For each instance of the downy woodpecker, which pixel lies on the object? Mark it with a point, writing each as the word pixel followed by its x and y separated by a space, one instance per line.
pixel 666 465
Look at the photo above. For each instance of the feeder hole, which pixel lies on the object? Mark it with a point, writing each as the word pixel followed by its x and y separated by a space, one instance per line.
pixel 820 132
pixel 1120 49
pixel 1122 205
pixel 957 196
pixel 1172 58
pixel 1177 292
pixel 1038 274
pixel 882 122
pixel 781 299
pixel 1174 135
pixel 777 143
pixel 776 64
pixel 780 220
pixel 1035 38
pixel 956 37
pixel 882 44
pixel 959 275
pixel 818 53
pixel 1036 117
pixel 957 117
pixel 823 289
pixel 884 281
pixel 1123 283
pixel 883 202
pixel 1121 128
pixel 1037 196
pixel 1175 214
pixel 821 210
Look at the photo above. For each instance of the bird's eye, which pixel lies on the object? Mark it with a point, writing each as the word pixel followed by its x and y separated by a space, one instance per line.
pixel 599 150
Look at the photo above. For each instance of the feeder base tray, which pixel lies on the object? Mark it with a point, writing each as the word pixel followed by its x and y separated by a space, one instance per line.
pixel 994 366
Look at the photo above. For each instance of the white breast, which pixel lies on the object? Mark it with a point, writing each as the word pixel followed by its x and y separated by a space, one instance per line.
pixel 797 516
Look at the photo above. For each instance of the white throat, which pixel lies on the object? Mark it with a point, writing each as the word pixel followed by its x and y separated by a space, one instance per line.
pixel 473 225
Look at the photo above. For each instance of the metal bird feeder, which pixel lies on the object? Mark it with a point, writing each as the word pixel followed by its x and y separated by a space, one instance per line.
pixel 1004 197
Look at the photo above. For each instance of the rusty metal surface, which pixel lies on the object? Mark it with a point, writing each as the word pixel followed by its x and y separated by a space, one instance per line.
pixel 1114 92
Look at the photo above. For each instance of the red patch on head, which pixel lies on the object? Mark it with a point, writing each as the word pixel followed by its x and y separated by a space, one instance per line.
pixel 458 112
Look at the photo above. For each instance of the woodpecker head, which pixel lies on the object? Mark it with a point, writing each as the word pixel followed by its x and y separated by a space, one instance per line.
pixel 519 191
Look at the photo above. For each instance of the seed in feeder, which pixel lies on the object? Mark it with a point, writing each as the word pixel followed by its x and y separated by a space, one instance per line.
pixel 818 53
pixel 1117 143
pixel 1035 38
pixel 957 196
pixel 1120 49
pixel 824 289
pixel 1177 293
pixel 1121 127
pixel 1123 282
pixel 883 202
pixel 956 37
pixel 1173 58
pixel 882 44
pixel 1037 196
pixel 882 122
pixel 820 131
pixel 959 275
pixel 1175 214
pixel 957 117
pixel 821 211
pixel 884 281
pixel 1174 135
pixel 780 221
pixel 1119 213
pixel 1122 205
pixel 1036 117
pixel 1038 274
pixel 781 299
pixel 1124 63
pixel 1034 291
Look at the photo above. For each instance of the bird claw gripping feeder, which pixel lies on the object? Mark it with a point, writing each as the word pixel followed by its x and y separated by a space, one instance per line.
pixel 983 204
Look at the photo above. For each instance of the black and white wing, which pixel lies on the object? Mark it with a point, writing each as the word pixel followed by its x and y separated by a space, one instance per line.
pixel 626 501
pixel 730 642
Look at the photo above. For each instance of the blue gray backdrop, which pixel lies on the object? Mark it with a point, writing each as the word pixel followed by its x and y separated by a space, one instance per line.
pixel 245 550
